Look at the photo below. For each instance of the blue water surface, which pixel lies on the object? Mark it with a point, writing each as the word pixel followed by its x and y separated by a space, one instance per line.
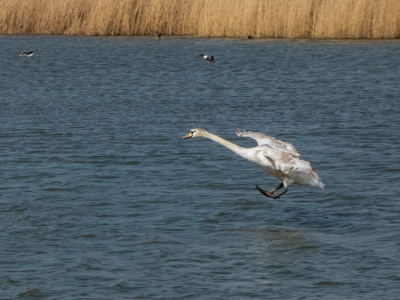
pixel 100 198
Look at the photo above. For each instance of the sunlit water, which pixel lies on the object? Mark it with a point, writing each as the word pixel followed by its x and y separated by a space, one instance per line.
pixel 100 198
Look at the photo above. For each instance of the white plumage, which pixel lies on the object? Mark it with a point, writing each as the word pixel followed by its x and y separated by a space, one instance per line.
pixel 277 158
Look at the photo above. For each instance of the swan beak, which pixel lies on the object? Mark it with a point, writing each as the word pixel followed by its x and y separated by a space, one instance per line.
pixel 188 136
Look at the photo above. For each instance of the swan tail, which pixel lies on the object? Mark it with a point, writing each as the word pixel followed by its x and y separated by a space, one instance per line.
pixel 316 181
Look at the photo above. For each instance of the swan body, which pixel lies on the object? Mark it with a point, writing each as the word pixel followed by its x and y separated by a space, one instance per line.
pixel 277 158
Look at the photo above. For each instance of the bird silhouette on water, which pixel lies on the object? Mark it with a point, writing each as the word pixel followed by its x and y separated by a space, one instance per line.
pixel 209 58
pixel 22 53
pixel 157 34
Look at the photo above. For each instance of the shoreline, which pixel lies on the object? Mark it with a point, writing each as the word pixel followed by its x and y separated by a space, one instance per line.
pixel 208 37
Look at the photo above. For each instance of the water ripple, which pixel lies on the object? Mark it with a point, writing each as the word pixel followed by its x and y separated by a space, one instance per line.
pixel 100 198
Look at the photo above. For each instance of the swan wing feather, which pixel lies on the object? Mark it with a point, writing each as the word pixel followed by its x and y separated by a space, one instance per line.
pixel 263 139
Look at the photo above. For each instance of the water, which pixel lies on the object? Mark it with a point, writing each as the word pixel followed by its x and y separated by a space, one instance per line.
pixel 100 198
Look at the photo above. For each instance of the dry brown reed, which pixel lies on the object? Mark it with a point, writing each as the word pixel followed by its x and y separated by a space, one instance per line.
pixel 214 18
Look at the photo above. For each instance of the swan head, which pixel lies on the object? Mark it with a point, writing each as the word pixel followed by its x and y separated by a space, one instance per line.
pixel 197 132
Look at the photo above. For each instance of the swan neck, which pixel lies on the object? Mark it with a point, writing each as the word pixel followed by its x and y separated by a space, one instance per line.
pixel 235 148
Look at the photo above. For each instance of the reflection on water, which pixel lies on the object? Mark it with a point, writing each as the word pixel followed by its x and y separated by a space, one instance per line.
pixel 100 197
pixel 277 247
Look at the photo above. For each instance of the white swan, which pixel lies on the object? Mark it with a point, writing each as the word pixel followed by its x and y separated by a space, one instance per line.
pixel 277 158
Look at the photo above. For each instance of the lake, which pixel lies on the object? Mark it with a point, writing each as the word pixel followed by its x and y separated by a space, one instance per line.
pixel 100 198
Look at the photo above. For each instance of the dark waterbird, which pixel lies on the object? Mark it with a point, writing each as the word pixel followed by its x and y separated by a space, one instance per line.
pixel 22 53
pixel 157 34
pixel 209 58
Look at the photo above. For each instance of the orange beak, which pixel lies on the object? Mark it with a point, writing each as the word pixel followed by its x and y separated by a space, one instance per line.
pixel 188 136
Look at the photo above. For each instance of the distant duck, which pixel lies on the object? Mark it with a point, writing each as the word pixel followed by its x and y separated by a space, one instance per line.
pixel 209 58
pixel 22 53
pixel 249 37
pixel 157 34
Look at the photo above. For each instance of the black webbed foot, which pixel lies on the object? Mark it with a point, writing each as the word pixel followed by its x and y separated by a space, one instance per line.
pixel 267 194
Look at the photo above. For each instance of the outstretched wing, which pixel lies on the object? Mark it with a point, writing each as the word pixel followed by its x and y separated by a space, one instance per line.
pixel 263 139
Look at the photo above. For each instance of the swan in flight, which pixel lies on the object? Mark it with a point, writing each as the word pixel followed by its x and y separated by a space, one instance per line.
pixel 277 158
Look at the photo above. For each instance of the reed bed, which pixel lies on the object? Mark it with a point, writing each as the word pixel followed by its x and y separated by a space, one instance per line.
pixel 375 19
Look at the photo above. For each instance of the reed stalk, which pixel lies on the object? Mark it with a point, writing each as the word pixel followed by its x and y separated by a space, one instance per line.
pixel 372 19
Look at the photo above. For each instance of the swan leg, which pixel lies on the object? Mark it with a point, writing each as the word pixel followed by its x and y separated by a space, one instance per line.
pixel 272 195
pixel 277 196
pixel 277 188
pixel 265 193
